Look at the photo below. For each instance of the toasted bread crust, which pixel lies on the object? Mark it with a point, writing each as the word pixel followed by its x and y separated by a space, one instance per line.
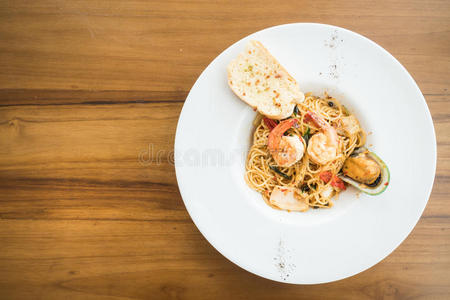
pixel 259 80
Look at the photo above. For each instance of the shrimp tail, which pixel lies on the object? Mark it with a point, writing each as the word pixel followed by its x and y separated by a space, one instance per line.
pixel 318 121
pixel 276 133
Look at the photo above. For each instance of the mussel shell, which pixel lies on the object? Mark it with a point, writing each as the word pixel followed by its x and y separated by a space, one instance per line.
pixel 380 184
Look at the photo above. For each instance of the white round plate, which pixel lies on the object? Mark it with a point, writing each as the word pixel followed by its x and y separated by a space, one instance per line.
pixel 214 134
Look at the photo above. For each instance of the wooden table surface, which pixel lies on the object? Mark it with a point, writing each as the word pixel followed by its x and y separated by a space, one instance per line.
pixel 86 86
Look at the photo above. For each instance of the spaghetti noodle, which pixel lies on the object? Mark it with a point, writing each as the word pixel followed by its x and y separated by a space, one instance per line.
pixel 309 178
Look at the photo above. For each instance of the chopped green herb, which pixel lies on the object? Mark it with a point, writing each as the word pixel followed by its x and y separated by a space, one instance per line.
pixel 296 110
pixel 276 170
pixel 306 136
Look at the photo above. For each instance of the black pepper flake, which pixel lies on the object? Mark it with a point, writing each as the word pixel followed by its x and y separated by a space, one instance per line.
pixel 315 207
pixel 330 103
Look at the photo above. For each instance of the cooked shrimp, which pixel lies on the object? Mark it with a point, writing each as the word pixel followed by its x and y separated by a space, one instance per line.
pixel 288 198
pixel 285 150
pixel 323 146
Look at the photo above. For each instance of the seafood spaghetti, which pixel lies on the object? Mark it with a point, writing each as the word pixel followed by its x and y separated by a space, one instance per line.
pixel 323 134
pixel 306 149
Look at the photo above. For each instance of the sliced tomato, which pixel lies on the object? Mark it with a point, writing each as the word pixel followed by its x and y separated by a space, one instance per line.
pixel 326 176
pixel 271 124
pixel 337 182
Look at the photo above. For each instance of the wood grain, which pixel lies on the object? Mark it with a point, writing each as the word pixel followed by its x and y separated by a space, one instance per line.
pixel 156 50
pixel 90 94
